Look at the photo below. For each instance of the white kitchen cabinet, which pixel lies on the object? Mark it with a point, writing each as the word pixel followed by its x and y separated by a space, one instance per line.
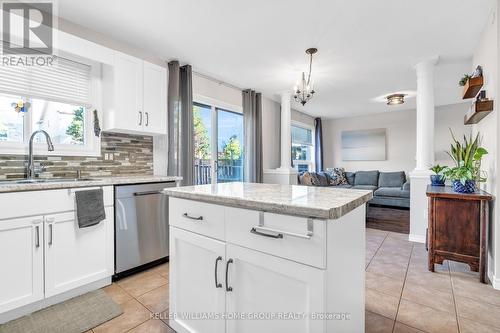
pixel 280 273
pixel 197 263
pixel 135 96
pixel 266 285
pixel 76 256
pixel 44 256
pixel 21 262
pixel 127 113
pixel 154 98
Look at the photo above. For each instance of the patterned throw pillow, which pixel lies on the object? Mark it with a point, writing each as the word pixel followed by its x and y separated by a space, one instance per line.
pixel 337 177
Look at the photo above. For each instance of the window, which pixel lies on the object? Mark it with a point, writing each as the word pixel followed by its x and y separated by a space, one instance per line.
pixel 59 99
pixel 218 137
pixel 302 148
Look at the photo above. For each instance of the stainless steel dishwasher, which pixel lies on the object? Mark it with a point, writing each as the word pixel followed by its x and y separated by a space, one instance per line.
pixel 141 227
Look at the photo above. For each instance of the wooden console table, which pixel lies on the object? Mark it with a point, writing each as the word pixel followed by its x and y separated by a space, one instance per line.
pixel 458 228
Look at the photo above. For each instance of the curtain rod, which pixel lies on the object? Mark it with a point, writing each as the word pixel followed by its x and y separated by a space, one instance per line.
pixel 217 81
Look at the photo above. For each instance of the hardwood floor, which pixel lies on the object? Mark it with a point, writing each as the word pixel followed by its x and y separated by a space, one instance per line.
pixel 388 219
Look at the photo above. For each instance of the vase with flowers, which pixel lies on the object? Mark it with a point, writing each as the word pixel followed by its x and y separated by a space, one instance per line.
pixel 467 155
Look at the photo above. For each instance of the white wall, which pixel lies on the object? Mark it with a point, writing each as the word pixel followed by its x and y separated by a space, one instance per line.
pixel 206 90
pixel 486 55
pixel 400 137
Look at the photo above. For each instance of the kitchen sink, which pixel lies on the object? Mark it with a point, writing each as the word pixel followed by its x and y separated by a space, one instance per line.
pixel 47 180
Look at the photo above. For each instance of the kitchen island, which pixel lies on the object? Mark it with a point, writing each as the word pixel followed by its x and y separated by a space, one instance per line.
pixel 250 257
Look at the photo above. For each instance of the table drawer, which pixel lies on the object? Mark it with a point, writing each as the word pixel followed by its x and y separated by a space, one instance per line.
pixel 202 218
pixel 278 235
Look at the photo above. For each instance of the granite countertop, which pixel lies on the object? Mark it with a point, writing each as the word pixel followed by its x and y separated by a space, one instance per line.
pixel 307 201
pixel 12 186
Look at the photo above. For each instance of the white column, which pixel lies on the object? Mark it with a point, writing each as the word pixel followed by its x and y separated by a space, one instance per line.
pixel 425 114
pixel 285 174
pixel 419 178
pixel 286 131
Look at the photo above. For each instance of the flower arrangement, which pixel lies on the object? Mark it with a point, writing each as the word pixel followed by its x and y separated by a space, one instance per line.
pixel 21 106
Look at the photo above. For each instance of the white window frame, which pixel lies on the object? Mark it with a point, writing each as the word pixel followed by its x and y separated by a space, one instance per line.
pixel 311 163
pixel 92 144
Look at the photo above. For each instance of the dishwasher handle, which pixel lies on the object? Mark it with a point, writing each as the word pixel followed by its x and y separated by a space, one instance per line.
pixel 138 194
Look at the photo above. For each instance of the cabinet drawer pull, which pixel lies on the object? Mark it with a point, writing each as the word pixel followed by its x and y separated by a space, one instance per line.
pixel 50 234
pixel 254 231
pixel 197 218
pixel 263 231
pixel 147 118
pixel 37 236
pixel 140 118
pixel 217 284
pixel 228 288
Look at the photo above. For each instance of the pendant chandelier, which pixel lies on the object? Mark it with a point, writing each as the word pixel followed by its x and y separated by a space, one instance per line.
pixel 304 90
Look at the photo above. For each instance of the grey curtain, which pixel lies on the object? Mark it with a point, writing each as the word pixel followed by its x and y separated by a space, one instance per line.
pixel 252 119
pixel 318 144
pixel 180 122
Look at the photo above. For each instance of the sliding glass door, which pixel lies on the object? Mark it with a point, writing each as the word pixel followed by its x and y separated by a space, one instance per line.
pixel 218 145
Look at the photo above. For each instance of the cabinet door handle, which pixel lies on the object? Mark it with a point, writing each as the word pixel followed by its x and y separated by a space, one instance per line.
pixel 228 288
pixel 50 234
pixel 37 236
pixel 217 284
pixel 197 218
pixel 147 118
pixel 254 231
pixel 140 118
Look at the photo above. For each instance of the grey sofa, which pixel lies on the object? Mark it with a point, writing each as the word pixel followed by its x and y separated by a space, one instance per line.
pixel 389 188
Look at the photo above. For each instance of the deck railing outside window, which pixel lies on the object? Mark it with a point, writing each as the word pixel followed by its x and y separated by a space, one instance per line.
pixel 227 171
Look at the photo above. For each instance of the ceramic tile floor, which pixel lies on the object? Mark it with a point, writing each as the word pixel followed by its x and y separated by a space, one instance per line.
pixel 401 295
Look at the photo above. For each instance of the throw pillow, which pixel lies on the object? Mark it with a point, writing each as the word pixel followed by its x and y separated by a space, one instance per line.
pixel 306 179
pixel 337 177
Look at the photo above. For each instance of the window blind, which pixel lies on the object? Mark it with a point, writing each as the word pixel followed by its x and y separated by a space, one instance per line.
pixel 302 136
pixel 65 81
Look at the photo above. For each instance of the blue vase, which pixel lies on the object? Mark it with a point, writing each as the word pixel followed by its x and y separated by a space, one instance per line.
pixel 468 187
pixel 437 180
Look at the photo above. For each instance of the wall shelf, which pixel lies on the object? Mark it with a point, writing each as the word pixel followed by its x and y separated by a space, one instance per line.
pixel 472 87
pixel 478 111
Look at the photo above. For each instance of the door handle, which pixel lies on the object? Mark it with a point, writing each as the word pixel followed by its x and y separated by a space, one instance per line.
pixel 228 288
pixel 37 236
pixel 217 284
pixel 140 118
pixel 197 218
pixel 137 194
pixel 50 233
pixel 147 118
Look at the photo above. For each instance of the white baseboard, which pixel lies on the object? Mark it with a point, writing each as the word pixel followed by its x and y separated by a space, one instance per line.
pixel 416 238
pixel 495 281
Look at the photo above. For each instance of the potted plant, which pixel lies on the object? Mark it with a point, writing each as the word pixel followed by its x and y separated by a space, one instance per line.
pixel 438 178
pixel 467 156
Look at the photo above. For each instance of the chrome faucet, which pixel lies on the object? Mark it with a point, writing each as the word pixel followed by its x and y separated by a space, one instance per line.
pixel 31 165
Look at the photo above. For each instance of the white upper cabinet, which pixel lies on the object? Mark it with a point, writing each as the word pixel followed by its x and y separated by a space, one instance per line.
pixel 154 103
pixel 135 96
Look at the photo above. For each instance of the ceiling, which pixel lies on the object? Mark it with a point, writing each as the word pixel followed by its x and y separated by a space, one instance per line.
pixel 366 48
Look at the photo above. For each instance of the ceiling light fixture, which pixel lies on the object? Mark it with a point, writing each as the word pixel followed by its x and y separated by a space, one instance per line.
pixel 304 90
pixel 395 99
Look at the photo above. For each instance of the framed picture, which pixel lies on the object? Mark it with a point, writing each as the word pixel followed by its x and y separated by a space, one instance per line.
pixel 364 145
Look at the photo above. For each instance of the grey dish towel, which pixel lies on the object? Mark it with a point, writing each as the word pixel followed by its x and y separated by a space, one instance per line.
pixel 89 207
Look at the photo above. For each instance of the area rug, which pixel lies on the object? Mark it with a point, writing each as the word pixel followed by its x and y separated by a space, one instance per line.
pixel 75 315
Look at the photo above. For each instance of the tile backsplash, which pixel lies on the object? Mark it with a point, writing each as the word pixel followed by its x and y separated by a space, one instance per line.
pixel 132 155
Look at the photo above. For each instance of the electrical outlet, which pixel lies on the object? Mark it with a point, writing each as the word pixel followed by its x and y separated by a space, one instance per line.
pixel 106 157
pixel 111 156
